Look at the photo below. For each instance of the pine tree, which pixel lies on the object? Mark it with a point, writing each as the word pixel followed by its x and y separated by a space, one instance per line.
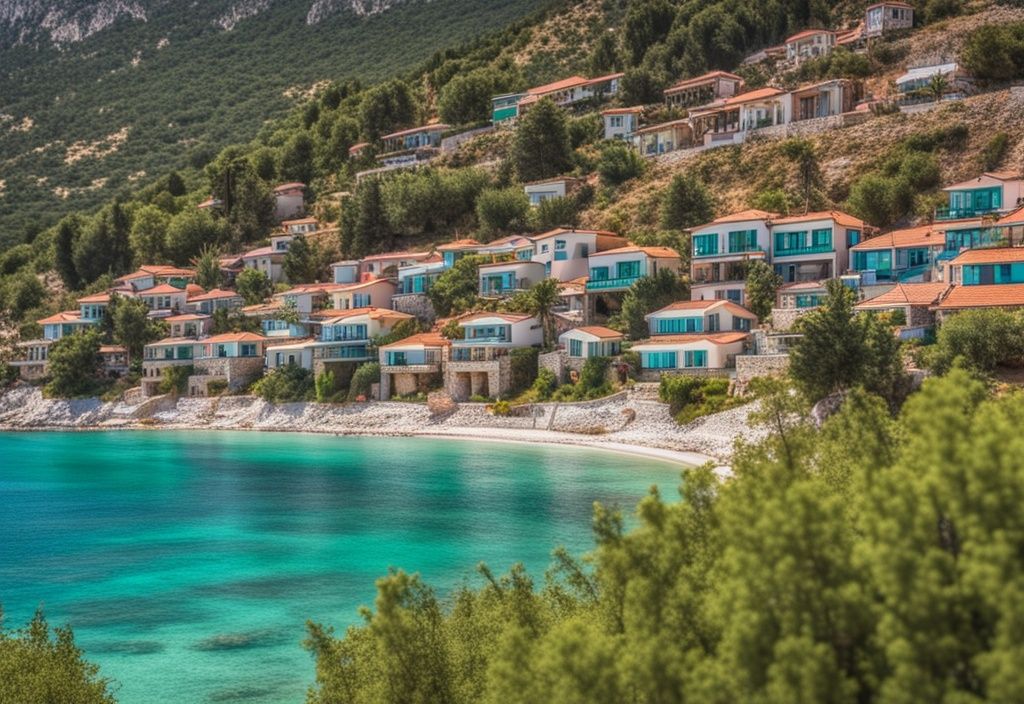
pixel 68 231
pixel 687 202
pixel 541 146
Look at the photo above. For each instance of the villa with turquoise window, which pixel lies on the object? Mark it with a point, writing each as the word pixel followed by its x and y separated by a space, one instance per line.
pixel 618 269
pixel 990 193
pixel 722 252
pixel 981 267
pixel 906 255
pixel 815 246
pixel 695 336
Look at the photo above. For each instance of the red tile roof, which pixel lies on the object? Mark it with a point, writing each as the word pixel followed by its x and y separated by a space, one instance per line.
pixel 983 296
pixel 990 255
pixel 67 316
pixel 95 298
pixel 922 236
pixel 700 80
pixel 508 317
pixel 734 308
pixel 1014 218
pixel 214 294
pixel 808 33
pixel 656 252
pixel 459 244
pixel 718 338
pixel 437 127
pixel 234 337
pixel 161 289
pixel 603 79
pixel 622 111
pixel 599 332
pixel 974 182
pixel 425 339
pixel 563 231
pixel 919 294
pixel 396 255
pixel 289 186
pixel 753 95
pixel 741 216
pixel 836 215
pixel 570 82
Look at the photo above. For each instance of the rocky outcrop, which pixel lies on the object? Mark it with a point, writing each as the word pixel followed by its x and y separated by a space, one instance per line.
pixel 62 21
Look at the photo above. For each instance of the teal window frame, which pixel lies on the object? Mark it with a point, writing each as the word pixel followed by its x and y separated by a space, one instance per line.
pixel 575 348
pixel 743 241
pixel 659 360
pixel 627 270
pixel 679 326
pixel 821 237
pixel 705 245
pixel 695 359
pixel 599 273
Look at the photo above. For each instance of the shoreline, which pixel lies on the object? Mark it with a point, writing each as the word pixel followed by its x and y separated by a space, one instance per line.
pixel 626 425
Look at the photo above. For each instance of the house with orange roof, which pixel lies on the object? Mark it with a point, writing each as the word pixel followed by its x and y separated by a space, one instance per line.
pixel 501 279
pixel 915 301
pixel 908 254
pixel 149 275
pixel 618 269
pixel 416 279
pixel 373 293
pixel 388 263
pixel 412 365
pixel 341 336
pixel 993 192
pixel 345 272
pixel 193 325
pixel 728 121
pixel 565 92
pixel 694 317
pixel 269 260
pixel 413 139
pixel 704 89
pixel 455 250
pixel 809 44
pixel 540 191
pixel 300 226
pixel 565 252
pixel 588 341
pixel 699 353
pixel 722 251
pixel 958 298
pixel 664 137
pixel 621 123
pixel 814 246
pixel 479 363
pixel 289 200
pixel 234 358
pixel 825 99
pixel 213 300
pixel 164 299
pixel 884 17
pixel 517 246
pixel 988 266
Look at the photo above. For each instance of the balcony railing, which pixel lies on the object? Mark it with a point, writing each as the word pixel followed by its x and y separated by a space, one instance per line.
pixel 962 213
pixel 729 252
pixel 605 284
pixel 476 354
pixel 488 339
pixel 814 249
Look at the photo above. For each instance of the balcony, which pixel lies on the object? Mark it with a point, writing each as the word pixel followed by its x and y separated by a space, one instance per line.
pixel 815 249
pixel 486 340
pixel 611 284
pixel 476 354
pixel 962 213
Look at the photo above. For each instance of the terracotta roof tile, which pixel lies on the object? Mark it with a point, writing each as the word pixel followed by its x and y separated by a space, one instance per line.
pixel 983 296
pixel 699 80
pixel 922 236
pixel 718 338
pixel 599 332
pixel 990 255
pixel 733 308
pixel 657 252
pixel 425 339
pixel 836 215
pixel 918 294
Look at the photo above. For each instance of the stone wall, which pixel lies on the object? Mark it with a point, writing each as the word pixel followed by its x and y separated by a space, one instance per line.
pixel 653 375
pixel 237 371
pixel 414 304
pixel 553 362
pixel 783 318
pixel 492 378
pixel 751 366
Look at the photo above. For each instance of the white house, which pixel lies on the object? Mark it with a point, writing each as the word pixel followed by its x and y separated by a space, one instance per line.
pixel 269 260
pixel 375 293
pixel 505 278
pixel 810 44
pixel 540 191
pixel 591 341
pixel 618 269
pixel 345 272
pixel 701 90
pixel 344 336
pixel 664 137
pixel 288 200
pixel 565 253
pixel 165 299
pixel 213 300
pixel 728 121
pixel 690 353
pixel 387 264
pixel 479 363
pixel 958 83
pixel 412 365
pixel 300 226
pixel 884 17
pixel 722 250
pixel 697 317
pixel 621 123
pixel 815 246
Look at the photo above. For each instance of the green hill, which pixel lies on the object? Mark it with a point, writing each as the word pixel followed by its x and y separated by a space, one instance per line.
pixel 81 121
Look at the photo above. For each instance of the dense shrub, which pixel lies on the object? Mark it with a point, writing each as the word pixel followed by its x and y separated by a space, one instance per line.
pixel 502 210
pixel 73 365
pixel 619 162
pixel 524 368
pixel 175 379
pixel 363 380
pixel 995 51
pixel 286 384
pixel 981 340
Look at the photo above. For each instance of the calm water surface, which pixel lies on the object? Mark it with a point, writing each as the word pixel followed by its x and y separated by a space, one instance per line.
pixel 188 562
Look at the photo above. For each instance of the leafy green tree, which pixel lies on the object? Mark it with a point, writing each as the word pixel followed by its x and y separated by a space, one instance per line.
pixel 772 200
pixel 40 666
pixel 132 326
pixel 466 98
pixel 646 23
pixel 802 153
pixel 995 51
pixel 554 212
pixel 428 201
pixel 253 286
pixel 540 148
pixel 297 158
pixel 646 295
pixel 325 386
pixel 175 184
pixel 502 210
pixel 981 340
pixel 642 86
pixel 364 227
pixel 248 203
pixel 386 107
pixel 286 384
pixel 73 363
pixel 300 262
pixel 149 234
pixel 190 231
pixel 831 353
pixel 103 246
pixel 686 202
pixel 208 274
pixel 456 290
pixel 344 134
pixel 619 163
pixel 69 229
pixel 362 380
pixel 762 286
pixel 20 293
pixel 604 57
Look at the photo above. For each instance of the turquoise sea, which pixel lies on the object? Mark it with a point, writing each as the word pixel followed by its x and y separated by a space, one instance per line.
pixel 188 562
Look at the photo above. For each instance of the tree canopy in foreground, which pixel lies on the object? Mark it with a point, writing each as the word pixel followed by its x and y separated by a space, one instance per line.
pixel 868 560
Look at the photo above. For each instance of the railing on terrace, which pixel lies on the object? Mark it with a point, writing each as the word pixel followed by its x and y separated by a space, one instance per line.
pixel 487 339
pixel 611 283
pixel 814 249
pixel 476 354
pixel 429 359
pixel 729 252
pixel 962 213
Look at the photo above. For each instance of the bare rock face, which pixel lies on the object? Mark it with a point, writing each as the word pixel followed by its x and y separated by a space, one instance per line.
pixel 62 21
pixel 360 8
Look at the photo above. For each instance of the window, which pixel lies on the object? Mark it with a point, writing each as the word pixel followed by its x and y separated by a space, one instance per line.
pixel 821 238
pixel 714 323
pixel 669 326
pixel 627 270
pixel 559 245
pixel 543 249
pixel 852 237
pixel 788 241
pixel 361 300
pixel 222 351
pixel 695 359
pixel 248 349
pixel 616 121
pixel 584 251
pixel 743 241
pixel 593 349
pixel 705 245
pixel 658 360
pixel 599 273
pixel 741 324
pixel 575 348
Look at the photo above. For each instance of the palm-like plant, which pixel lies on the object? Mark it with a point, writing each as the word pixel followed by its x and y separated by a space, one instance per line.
pixel 543 298
pixel 937 86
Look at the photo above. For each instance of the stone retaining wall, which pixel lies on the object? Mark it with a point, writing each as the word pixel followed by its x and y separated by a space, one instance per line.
pixel 414 304
pixel 783 318
pixel 751 366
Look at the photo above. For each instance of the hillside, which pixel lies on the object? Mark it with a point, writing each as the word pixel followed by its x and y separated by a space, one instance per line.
pixel 98 97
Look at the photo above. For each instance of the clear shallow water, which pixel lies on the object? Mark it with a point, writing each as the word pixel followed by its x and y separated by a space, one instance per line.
pixel 188 563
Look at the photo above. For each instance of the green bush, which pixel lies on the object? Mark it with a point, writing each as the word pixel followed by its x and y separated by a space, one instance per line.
pixel 73 366
pixel 175 379
pixel 691 397
pixel 217 387
pixel 524 368
pixel 619 162
pixel 501 408
pixel 981 340
pixel 544 385
pixel 286 384
pixel 995 51
pixel 325 386
pixel 363 379
pixel 502 210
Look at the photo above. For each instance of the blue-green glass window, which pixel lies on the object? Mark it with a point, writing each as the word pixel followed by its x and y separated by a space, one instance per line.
pixel 852 237
pixel 704 245
pixel 743 241
pixel 248 349
pixel 599 273
pixel 695 358
pixel 559 244
pixel 575 348
pixel 785 241
pixel 627 270
pixel 670 326
pixel 714 323
pixel 593 349
pixel 659 360
pixel 880 261
pixel 822 238
pixel 808 300
pixel 524 254
pixel 741 324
